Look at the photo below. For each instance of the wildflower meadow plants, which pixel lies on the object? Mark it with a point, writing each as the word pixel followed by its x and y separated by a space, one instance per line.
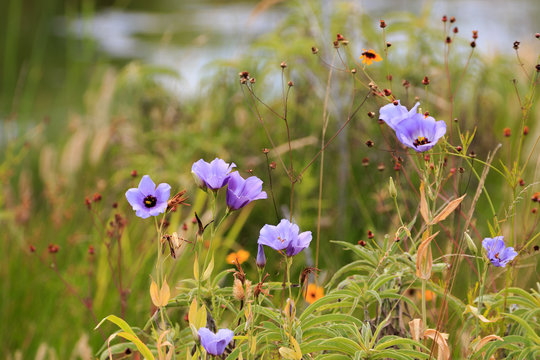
pixel 377 220
pixel 393 298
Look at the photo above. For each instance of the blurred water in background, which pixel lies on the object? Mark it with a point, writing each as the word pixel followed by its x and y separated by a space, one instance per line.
pixel 190 34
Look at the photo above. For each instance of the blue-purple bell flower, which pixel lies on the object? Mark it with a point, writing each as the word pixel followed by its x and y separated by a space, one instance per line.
pixel 497 253
pixel 147 200
pixel 241 192
pixel 285 236
pixel 213 175
pixel 417 131
pixel 215 344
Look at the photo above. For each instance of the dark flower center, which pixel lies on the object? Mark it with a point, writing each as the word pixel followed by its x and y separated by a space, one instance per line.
pixel 150 201
pixel 496 255
pixel 421 140
pixel 369 54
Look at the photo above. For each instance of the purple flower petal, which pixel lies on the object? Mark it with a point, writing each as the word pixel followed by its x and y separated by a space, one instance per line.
pixel 215 344
pixel 241 192
pixel 393 114
pixel 147 186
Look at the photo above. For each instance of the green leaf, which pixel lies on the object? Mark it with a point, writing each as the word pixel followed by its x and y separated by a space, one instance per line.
pixel 119 322
pixel 143 349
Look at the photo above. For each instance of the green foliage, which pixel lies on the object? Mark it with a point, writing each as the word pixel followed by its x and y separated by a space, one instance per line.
pixel 119 118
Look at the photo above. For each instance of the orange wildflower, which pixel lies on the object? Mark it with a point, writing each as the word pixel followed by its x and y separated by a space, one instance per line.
pixel 429 295
pixel 313 293
pixel 241 256
pixel 369 56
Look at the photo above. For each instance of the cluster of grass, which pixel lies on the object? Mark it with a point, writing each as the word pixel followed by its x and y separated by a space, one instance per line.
pixel 74 252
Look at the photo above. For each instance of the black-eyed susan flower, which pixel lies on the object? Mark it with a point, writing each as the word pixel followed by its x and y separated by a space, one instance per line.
pixel 369 56
pixel 313 293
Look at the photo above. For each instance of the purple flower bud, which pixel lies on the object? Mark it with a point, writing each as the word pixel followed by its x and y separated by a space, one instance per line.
pixel 213 176
pixel 497 253
pixel 215 344
pixel 147 200
pixel 241 192
pixel 261 258
pixel 285 236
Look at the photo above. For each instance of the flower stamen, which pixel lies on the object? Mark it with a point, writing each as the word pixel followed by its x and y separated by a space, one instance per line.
pixel 421 140
pixel 150 201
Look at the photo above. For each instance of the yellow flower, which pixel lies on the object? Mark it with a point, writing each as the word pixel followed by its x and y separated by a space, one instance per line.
pixel 369 56
pixel 313 293
pixel 241 255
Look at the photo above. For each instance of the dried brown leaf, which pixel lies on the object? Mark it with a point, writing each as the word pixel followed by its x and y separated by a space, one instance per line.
pixel 452 205
pixel 424 260
pixel 423 204
pixel 443 350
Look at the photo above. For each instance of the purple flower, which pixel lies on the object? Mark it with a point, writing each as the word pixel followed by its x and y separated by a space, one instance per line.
pixel 215 344
pixel 497 253
pixel 261 258
pixel 414 130
pixel 284 236
pixel 147 200
pixel 241 192
pixel 213 176
pixel 393 114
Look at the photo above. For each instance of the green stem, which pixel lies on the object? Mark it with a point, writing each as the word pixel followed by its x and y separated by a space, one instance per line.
pixel 289 263
pixel 480 298
pixel 424 303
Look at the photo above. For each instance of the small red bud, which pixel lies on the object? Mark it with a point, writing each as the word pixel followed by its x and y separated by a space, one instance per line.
pixel 283 64
pixel 525 130
pixel 507 132
pixel 382 24
pixel 362 243
pixel 444 18
pixel 459 148
pixel 455 30
pixel 91 250
pixel 133 173
pixel 369 143
pixel 387 92
pixel 425 81
pixel 32 248
pixel 370 235
pixel 273 165
pixel 365 161
pixel 96 197
pixel 452 19
pixel 521 182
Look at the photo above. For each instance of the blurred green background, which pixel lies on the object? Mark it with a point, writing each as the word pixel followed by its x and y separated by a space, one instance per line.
pixel 91 90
